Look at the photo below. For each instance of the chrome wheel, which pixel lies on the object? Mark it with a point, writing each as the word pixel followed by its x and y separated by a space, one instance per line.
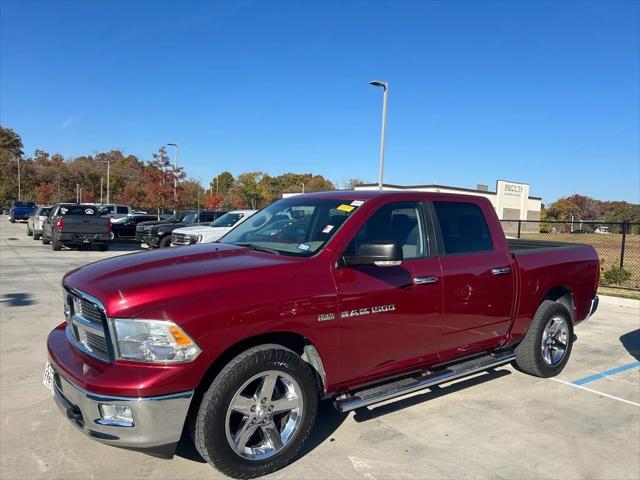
pixel 554 340
pixel 264 415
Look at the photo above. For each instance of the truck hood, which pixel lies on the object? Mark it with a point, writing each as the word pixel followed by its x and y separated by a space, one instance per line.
pixel 206 231
pixel 129 285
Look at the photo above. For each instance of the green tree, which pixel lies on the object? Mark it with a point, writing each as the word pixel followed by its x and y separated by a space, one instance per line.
pixel 250 190
pixel 222 183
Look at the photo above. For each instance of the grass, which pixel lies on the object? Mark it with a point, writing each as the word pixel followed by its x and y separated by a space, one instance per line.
pixel 607 246
pixel 619 292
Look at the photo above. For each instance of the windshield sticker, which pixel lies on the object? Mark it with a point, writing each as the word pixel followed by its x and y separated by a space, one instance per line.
pixel 345 208
pixel 304 246
pixel 327 229
pixel 88 211
pixel 357 203
pixel 63 210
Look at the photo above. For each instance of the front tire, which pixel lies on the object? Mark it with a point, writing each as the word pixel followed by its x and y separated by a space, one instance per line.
pixel 29 231
pixel 546 347
pixel 165 242
pixel 258 412
pixel 45 240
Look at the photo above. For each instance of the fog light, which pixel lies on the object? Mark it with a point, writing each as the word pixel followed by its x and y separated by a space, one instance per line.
pixel 116 415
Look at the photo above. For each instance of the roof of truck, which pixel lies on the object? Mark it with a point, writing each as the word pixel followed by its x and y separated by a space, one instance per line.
pixel 368 194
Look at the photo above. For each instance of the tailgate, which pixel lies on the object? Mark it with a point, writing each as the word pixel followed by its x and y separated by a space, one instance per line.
pixel 85 224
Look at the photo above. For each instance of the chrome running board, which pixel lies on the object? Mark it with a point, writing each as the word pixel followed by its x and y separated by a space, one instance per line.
pixel 397 388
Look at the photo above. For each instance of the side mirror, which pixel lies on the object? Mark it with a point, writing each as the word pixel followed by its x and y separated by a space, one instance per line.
pixel 381 254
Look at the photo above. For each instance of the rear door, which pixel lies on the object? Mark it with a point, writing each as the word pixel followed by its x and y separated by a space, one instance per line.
pixel 385 318
pixel 478 284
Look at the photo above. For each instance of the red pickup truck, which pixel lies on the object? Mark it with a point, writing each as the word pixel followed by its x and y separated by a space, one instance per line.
pixel 355 296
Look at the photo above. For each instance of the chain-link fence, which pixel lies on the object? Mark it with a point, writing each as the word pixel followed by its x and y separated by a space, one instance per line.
pixel 617 244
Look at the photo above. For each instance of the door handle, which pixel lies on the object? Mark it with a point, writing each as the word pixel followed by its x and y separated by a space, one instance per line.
pixel 501 270
pixel 425 280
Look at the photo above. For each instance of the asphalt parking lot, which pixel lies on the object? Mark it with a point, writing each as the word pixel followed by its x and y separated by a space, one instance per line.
pixel 583 424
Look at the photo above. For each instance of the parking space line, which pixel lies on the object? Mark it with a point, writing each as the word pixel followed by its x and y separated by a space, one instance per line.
pixel 596 392
pixel 606 373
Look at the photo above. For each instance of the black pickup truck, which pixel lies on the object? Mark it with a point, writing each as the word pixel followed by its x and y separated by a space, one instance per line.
pixel 158 234
pixel 73 224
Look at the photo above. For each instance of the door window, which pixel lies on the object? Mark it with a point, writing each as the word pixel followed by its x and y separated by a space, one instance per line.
pixel 400 222
pixel 463 226
pixel 124 210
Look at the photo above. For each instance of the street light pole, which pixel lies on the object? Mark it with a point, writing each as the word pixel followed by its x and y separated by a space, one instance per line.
pixel 108 175
pixel 19 188
pixel 385 86
pixel 175 169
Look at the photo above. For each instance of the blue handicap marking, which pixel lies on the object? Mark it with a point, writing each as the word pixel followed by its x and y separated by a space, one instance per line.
pixel 606 373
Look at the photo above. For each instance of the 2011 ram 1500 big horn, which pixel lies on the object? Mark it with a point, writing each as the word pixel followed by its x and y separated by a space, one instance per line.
pixel 356 296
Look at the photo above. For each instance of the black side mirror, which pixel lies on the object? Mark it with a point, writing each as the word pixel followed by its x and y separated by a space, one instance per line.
pixel 381 254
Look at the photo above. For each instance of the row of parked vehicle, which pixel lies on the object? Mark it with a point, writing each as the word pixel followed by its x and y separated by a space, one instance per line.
pixel 84 225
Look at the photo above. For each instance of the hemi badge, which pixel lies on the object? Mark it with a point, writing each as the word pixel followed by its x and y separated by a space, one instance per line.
pixel 323 317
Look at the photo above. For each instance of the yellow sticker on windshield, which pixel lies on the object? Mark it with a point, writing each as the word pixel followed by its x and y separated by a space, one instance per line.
pixel 346 208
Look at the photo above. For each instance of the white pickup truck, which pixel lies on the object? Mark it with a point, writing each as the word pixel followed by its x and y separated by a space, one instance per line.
pixel 211 232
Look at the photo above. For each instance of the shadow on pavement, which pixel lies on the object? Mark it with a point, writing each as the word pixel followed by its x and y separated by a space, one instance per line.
pixel 631 341
pixel 17 299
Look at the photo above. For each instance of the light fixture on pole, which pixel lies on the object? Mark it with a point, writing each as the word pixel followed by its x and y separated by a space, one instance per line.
pixel 385 86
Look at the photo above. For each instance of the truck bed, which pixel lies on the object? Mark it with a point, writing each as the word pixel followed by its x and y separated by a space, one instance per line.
pixel 520 246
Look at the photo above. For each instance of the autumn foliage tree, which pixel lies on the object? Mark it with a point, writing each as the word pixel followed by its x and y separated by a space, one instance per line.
pixel 46 193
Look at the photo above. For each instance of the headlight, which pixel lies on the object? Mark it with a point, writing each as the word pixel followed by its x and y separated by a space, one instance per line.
pixel 199 238
pixel 152 341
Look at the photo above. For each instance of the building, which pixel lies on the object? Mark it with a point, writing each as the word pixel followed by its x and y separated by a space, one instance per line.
pixel 510 199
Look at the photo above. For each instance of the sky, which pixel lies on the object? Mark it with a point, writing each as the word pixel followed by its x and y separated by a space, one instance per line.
pixel 544 92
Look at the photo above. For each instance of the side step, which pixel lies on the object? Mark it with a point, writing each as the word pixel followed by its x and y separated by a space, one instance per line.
pixel 387 391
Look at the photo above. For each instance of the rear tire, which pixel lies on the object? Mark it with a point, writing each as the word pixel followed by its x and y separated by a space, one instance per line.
pixel 272 440
pixel 29 231
pixel 165 242
pixel 546 347
pixel 36 236
pixel 56 246
pixel 103 247
pixel 45 241
pixel 12 220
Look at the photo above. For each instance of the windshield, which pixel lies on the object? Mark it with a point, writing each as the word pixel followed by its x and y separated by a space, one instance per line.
pixel 227 220
pixel 294 226
pixel 77 210
pixel 190 217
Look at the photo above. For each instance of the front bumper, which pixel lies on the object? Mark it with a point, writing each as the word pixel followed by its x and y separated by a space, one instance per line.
pixel 157 421
pixel 594 305
pixel 151 240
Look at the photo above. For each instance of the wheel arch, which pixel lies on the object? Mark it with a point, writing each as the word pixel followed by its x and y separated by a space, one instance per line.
pixel 293 341
pixel 564 296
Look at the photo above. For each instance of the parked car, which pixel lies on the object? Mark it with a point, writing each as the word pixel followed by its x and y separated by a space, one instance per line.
pixel 125 227
pixel 113 210
pixel 357 296
pixel 211 232
pixel 79 225
pixel 21 211
pixel 602 230
pixel 158 234
pixel 35 221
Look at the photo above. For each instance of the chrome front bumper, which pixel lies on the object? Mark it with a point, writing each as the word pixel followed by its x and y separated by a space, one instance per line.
pixel 157 421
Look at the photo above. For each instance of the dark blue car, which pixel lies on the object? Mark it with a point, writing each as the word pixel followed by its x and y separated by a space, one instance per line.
pixel 21 211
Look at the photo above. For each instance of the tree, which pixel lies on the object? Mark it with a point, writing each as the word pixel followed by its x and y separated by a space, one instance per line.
pixel 352 183
pixel 10 142
pixel 249 189
pixel 46 193
pixel 222 183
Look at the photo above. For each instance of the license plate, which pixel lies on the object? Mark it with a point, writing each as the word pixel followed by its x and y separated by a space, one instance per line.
pixel 47 379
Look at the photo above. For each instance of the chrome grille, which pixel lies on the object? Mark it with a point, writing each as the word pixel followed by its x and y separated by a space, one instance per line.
pixel 182 239
pixel 86 324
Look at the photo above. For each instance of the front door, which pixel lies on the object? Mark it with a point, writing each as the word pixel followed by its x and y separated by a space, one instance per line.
pixel 384 316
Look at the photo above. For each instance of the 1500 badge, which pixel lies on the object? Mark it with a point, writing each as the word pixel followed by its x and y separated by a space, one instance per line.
pixel 367 311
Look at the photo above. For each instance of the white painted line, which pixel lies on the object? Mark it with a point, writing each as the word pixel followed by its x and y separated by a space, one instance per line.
pixel 596 392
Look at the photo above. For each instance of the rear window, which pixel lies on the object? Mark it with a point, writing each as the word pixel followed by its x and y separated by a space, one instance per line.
pixel 463 226
pixel 78 210
pixel 24 204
